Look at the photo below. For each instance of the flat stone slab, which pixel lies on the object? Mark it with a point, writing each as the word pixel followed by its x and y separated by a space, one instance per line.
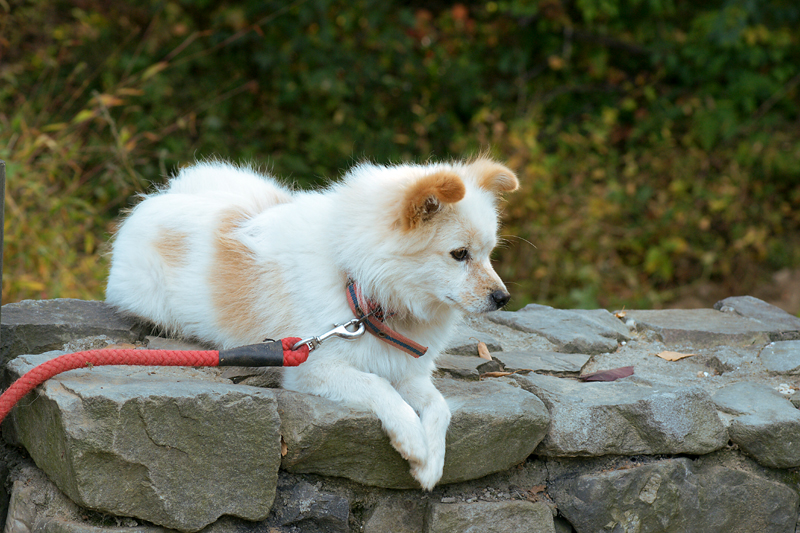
pixel 625 417
pixel 464 367
pixel 397 513
pixel 551 362
pixel 782 357
pixel 494 426
pixel 574 331
pixel 37 326
pixel 674 495
pixel 765 424
pixel 701 327
pixel 165 445
pixel 465 339
pixel 779 321
pixel 470 368
pixel 490 517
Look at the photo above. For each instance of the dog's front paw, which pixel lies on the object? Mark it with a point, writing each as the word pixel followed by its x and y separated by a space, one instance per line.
pixel 428 473
pixel 410 444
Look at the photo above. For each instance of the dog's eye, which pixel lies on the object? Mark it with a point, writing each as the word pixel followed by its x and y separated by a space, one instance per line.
pixel 461 254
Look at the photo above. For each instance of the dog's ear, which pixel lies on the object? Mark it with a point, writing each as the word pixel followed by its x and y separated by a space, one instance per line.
pixel 426 196
pixel 494 177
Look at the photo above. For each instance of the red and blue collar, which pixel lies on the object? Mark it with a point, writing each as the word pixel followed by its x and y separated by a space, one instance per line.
pixel 373 317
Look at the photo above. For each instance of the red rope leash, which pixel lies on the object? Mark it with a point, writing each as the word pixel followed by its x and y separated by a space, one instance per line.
pixel 275 353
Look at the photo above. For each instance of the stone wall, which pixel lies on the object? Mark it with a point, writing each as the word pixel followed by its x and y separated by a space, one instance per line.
pixel 707 443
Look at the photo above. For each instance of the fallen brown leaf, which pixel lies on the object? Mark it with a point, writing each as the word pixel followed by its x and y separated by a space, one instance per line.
pixel 673 356
pixel 609 375
pixel 284 448
pixel 483 351
pixel 505 373
pixel 495 374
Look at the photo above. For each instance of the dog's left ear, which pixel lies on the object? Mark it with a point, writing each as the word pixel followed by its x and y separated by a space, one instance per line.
pixel 494 177
pixel 426 197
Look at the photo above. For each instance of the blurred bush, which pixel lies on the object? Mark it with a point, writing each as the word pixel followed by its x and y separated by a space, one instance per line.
pixel 658 141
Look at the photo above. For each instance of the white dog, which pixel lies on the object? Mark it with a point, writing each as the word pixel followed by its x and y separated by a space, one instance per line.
pixel 232 257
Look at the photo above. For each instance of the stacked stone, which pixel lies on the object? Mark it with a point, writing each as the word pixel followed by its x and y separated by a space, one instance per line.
pixel 706 443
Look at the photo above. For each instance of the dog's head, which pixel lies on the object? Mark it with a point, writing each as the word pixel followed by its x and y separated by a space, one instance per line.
pixel 432 229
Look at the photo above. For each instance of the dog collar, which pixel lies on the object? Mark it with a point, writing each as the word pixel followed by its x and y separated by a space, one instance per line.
pixel 373 316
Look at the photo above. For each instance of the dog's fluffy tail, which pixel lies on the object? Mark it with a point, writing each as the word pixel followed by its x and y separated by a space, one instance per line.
pixel 239 185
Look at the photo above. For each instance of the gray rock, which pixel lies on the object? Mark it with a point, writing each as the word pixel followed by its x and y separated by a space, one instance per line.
pixel 165 445
pixel 552 362
pixel 782 357
pixel 779 321
pixel 490 517
pixel 38 506
pixel 331 438
pixel 36 326
pixel 625 417
pixel 22 512
pixel 397 514
pixel 670 495
pixel 765 424
pixel 493 427
pixel 5 496
pixel 460 366
pixel 311 510
pixel 465 341
pixel 701 327
pixel 575 331
pixel 63 525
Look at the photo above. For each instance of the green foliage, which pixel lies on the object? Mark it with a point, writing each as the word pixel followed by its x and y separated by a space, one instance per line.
pixel 657 141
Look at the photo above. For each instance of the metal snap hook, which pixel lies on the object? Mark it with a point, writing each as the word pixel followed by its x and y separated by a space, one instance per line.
pixel 343 331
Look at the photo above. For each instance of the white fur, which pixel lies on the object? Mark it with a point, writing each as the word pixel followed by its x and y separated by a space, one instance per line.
pixel 282 270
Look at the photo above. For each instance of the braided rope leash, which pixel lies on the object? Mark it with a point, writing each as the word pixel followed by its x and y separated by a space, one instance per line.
pixel 272 353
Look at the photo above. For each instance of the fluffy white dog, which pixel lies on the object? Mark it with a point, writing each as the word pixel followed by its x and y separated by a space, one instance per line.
pixel 232 257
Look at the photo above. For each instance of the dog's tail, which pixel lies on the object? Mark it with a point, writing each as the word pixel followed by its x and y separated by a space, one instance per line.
pixel 223 181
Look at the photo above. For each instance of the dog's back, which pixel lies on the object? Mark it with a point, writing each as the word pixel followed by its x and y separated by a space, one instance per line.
pixel 167 240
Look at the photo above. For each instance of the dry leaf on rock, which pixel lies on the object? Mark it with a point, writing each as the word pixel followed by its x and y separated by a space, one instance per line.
pixel 505 373
pixel 609 375
pixel 495 374
pixel 673 356
pixel 284 447
pixel 483 351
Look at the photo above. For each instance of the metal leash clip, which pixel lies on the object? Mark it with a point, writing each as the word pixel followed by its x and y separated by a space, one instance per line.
pixel 342 331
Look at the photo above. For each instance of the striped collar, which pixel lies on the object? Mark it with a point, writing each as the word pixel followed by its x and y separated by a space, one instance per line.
pixel 373 316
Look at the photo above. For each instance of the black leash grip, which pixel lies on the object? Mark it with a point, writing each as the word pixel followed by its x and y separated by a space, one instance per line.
pixel 262 354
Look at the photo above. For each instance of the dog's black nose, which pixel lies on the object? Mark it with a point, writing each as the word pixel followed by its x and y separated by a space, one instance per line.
pixel 500 298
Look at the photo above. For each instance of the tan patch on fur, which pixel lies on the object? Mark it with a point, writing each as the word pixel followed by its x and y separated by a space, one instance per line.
pixel 494 177
pixel 173 248
pixel 425 196
pixel 235 278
